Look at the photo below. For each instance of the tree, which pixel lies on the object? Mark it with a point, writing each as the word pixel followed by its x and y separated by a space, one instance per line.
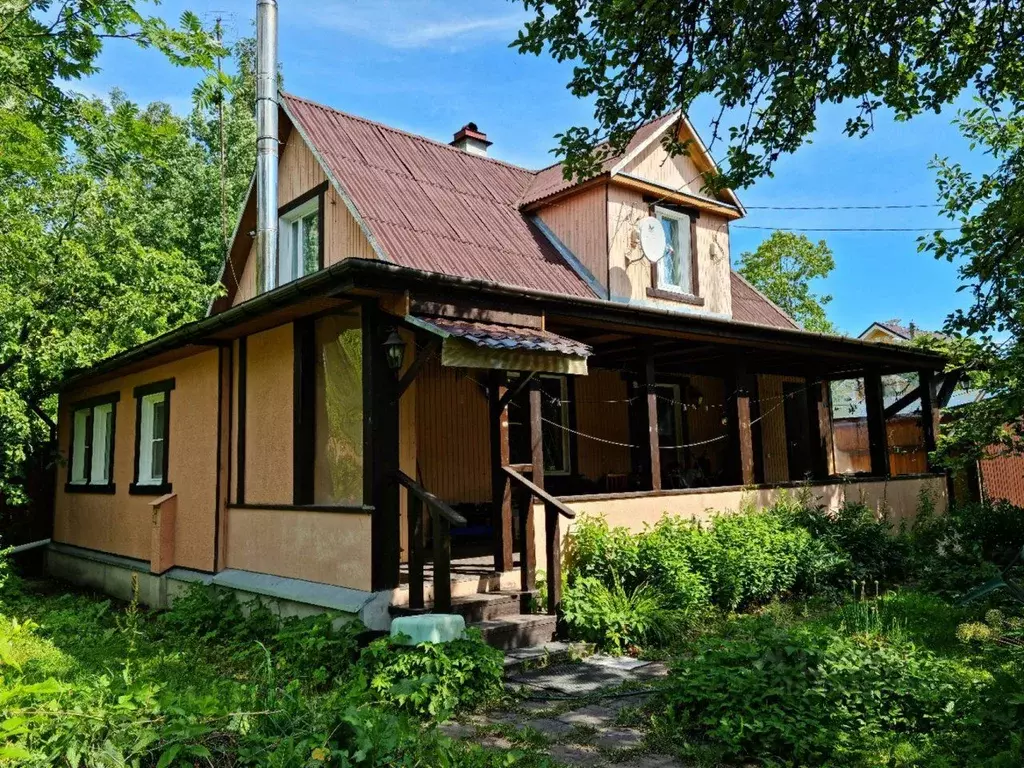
pixel 782 268
pixel 93 231
pixel 770 66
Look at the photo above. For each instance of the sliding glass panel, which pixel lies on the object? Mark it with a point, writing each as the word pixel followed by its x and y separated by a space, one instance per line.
pixel 338 452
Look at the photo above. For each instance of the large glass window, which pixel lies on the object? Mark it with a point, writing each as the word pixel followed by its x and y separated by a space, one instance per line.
pixel 338 420
pixel 92 444
pixel 675 268
pixel 299 234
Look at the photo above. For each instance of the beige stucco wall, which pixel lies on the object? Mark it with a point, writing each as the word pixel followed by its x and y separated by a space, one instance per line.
pixel 896 498
pixel 270 376
pixel 120 523
pixel 326 547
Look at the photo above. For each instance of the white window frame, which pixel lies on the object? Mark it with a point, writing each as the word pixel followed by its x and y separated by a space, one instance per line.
pixel 682 232
pixel 291 259
pixel 148 474
pixel 91 462
pixel 150 479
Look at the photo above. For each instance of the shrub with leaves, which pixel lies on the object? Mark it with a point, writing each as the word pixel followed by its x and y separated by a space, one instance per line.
pixel 433 679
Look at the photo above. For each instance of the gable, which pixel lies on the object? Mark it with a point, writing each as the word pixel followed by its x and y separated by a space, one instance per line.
pixel 680 173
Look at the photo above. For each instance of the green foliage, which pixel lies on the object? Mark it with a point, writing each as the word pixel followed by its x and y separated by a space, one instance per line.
pixel 783 267
pixel 833 694
pixel 618 620
pixel 434 679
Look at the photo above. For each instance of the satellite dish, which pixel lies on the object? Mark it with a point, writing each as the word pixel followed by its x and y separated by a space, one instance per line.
pixel 652 238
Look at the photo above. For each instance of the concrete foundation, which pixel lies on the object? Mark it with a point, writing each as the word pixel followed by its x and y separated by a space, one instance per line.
pixel 113 575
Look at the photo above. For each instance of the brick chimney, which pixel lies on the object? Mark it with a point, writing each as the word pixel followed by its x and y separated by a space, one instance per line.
pixel 470 139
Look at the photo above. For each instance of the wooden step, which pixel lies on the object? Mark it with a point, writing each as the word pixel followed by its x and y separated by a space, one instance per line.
pixel 477 607
pixel 463 585
pixel 521 630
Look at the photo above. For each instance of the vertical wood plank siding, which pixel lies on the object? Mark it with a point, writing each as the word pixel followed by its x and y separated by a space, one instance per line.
pixel 773 426
pixel 298 173
pixel 630 274
pixel 452 437
pixel 679 172
pixel 607 420
pixel 580 222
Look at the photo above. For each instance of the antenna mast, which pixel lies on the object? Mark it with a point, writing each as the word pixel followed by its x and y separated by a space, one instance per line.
pixel 219 32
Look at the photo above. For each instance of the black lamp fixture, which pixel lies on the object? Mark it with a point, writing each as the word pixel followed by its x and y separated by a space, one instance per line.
pixel 394 348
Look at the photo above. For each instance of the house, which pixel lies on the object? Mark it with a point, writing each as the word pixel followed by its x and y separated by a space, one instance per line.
pixel 452 358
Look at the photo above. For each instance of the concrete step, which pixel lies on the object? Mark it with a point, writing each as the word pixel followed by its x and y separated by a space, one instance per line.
pixel 463 585
pixel 517 630
pixel 478 607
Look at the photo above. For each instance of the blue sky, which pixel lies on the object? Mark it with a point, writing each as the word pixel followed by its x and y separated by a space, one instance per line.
pixel 429 66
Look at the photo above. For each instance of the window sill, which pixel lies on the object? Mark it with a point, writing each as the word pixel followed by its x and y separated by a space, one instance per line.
pixel 136 489
pixel 109 488
pixel 682 298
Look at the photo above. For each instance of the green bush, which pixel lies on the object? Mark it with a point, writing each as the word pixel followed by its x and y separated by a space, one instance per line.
pixel 594 549
pixel 617 619
pixel 433 679
pixel 808 697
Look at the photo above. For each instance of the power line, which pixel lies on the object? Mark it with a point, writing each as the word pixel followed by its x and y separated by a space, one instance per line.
pixel 848 229
pixel 841 207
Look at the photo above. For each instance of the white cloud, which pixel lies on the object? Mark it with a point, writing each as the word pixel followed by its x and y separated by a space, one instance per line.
pixel 412 23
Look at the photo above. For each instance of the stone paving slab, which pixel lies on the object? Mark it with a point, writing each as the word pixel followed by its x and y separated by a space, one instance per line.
pixel 575 755
pixel 619 738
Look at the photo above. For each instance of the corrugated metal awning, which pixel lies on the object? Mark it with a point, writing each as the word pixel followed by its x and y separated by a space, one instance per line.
pixel 474 344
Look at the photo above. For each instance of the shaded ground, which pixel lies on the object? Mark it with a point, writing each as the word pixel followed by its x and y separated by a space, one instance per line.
pixel 581 712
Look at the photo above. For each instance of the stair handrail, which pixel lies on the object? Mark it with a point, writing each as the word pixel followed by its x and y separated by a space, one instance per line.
pixel 443 517
pixel 539 492
pixel 554 510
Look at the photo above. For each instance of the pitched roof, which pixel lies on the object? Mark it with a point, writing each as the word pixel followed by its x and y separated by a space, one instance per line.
pixel 749 305
pixel 434 207
pixel 550 181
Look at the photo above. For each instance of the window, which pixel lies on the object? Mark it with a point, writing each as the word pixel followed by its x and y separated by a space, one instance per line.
pixel 152 435
pixel 299 234
pixel 555 412
pixel 91 460
pixel 338 411
pixel 675 270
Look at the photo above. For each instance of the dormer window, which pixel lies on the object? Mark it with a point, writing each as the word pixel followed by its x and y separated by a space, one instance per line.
pixel 300 242
pixel 675 271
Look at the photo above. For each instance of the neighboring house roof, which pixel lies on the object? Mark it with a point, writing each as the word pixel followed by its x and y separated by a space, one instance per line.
pixel 749 305
pixel 896 329
pixel 434 207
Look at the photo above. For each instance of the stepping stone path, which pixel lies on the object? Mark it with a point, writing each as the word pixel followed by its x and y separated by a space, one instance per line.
pixel 573 710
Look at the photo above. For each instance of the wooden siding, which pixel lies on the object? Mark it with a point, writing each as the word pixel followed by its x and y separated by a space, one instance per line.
pixel 602 411
pixel 679 173
pixel 452 442
pixel 580 222
pixel 704 421
pixel 1003 477
pixel 630 273
pixel 773 426
pixel 268 416
pixel 298 173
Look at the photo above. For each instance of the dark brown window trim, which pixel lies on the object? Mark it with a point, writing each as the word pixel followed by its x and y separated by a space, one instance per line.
pixel 135 489
pixel 166 386
pixel 681 298
pixel 319 191
pixel 354 509
pixel 111 398
pixel 684 298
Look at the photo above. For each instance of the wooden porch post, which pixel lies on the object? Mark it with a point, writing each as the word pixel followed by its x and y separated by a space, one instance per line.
pixel 651 423
pixel 741 442
pixel 929 423
pixel 528 544
pixel 380 450
pixel 878 440
pixel 501 492
pixel 818 424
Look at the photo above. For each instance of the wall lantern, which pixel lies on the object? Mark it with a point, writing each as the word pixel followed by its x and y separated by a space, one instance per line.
pixel 394 348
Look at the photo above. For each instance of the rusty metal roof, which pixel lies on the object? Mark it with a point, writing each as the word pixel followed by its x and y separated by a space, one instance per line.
pixel 749 305
pixel 433 207
pixel 510 337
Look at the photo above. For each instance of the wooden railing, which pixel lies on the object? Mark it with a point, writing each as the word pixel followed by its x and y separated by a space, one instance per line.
pixel 554 509
pixel 443 518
